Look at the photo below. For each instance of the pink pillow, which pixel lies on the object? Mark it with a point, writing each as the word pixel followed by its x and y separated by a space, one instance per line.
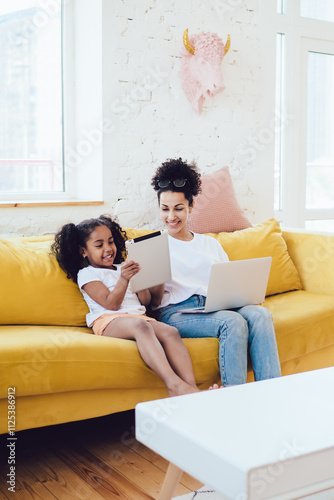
pixel 216 208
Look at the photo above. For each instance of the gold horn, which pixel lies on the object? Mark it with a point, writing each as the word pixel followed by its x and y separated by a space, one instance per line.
pixel 187 44
pixel 227 45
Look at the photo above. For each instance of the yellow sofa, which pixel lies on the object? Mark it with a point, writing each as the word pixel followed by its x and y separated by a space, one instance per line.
pixel 61 372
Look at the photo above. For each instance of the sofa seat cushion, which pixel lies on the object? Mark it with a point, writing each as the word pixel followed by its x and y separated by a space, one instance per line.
pixel 304 322
pixel 51 359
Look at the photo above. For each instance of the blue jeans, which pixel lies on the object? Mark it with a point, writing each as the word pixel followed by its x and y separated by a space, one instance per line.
pixel 237 330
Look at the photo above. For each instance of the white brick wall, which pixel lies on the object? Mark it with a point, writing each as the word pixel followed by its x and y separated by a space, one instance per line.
pixel 154 121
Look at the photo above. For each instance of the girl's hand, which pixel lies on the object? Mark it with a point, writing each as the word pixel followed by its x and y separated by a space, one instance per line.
pixel 129 269
pixel 113 300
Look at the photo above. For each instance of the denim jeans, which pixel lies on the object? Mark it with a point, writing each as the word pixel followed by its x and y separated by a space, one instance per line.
pixel 238 330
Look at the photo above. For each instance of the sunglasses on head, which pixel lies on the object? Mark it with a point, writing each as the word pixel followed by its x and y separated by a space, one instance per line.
pixel 179 183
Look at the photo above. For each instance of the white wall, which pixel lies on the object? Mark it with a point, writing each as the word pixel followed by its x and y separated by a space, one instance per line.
pixel 153 120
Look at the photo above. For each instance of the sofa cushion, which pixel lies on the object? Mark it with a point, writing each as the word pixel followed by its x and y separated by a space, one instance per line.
pixel 263 240
pixel 304 322
pixel 135 233
pixel 313 255
pixel 216 208
pixel 34 290
pixel 50 359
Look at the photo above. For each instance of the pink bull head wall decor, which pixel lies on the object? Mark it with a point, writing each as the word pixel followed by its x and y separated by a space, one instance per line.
pixel 201 67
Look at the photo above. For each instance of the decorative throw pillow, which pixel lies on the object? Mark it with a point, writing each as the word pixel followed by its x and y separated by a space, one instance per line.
pixel 216 208
pixel 264 240
pixel 34 290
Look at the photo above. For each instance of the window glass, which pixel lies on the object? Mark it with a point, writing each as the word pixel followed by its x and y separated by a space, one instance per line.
pixel 281 6
pixel 320 225
pixel 31 135
pixel 323 10
pixel 279 151
pixel 320 131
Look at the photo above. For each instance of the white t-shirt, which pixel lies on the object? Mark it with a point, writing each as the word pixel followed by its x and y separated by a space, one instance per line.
pixel 191 263
pixel 109 278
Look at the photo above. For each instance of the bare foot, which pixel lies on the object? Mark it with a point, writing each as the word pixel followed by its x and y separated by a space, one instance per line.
pixel 215 386
pixel 182 388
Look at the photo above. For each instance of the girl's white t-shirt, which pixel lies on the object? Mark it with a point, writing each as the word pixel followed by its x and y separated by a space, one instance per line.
pixel 109 278
pixel 191 263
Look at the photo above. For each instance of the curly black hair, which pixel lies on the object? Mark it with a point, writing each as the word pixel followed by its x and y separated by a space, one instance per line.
pixel 178 169
pixel 71 238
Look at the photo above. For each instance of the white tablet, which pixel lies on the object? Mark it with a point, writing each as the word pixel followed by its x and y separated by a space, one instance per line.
pixel 152 253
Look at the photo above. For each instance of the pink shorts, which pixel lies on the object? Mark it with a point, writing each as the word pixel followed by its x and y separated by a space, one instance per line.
pixel 103 321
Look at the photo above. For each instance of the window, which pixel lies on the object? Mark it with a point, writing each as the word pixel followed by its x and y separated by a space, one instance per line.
pixel 279 143
pixel 304 146
pixel 323 10
pixel 281 6
pixel 52 126
pixel 31 126
pixel 320 131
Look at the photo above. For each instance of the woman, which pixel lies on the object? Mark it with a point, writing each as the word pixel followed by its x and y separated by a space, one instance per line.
pixel 192 254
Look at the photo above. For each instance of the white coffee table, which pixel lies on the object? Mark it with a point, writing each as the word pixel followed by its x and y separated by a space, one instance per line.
pixel 272 439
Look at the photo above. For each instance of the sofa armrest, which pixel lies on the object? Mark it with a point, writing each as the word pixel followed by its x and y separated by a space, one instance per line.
pixel 313 255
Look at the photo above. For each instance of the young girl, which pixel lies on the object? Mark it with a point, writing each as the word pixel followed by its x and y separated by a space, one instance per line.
pixel 192 255
pixel 91 254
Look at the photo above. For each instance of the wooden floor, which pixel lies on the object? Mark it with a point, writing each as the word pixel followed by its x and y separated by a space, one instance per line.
pixel 94 460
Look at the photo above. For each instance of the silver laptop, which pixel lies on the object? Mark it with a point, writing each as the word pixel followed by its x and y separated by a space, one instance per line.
pixel 235 284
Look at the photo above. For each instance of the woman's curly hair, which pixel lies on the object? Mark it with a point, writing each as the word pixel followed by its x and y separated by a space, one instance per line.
pixel 71 238
pixel 178 169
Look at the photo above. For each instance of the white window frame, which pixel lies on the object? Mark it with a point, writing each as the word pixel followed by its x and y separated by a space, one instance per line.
pixel 83 124
pixel 302 35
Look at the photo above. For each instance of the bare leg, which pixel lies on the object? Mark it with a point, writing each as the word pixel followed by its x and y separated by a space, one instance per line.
pixel 150 350
pixel 176 352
